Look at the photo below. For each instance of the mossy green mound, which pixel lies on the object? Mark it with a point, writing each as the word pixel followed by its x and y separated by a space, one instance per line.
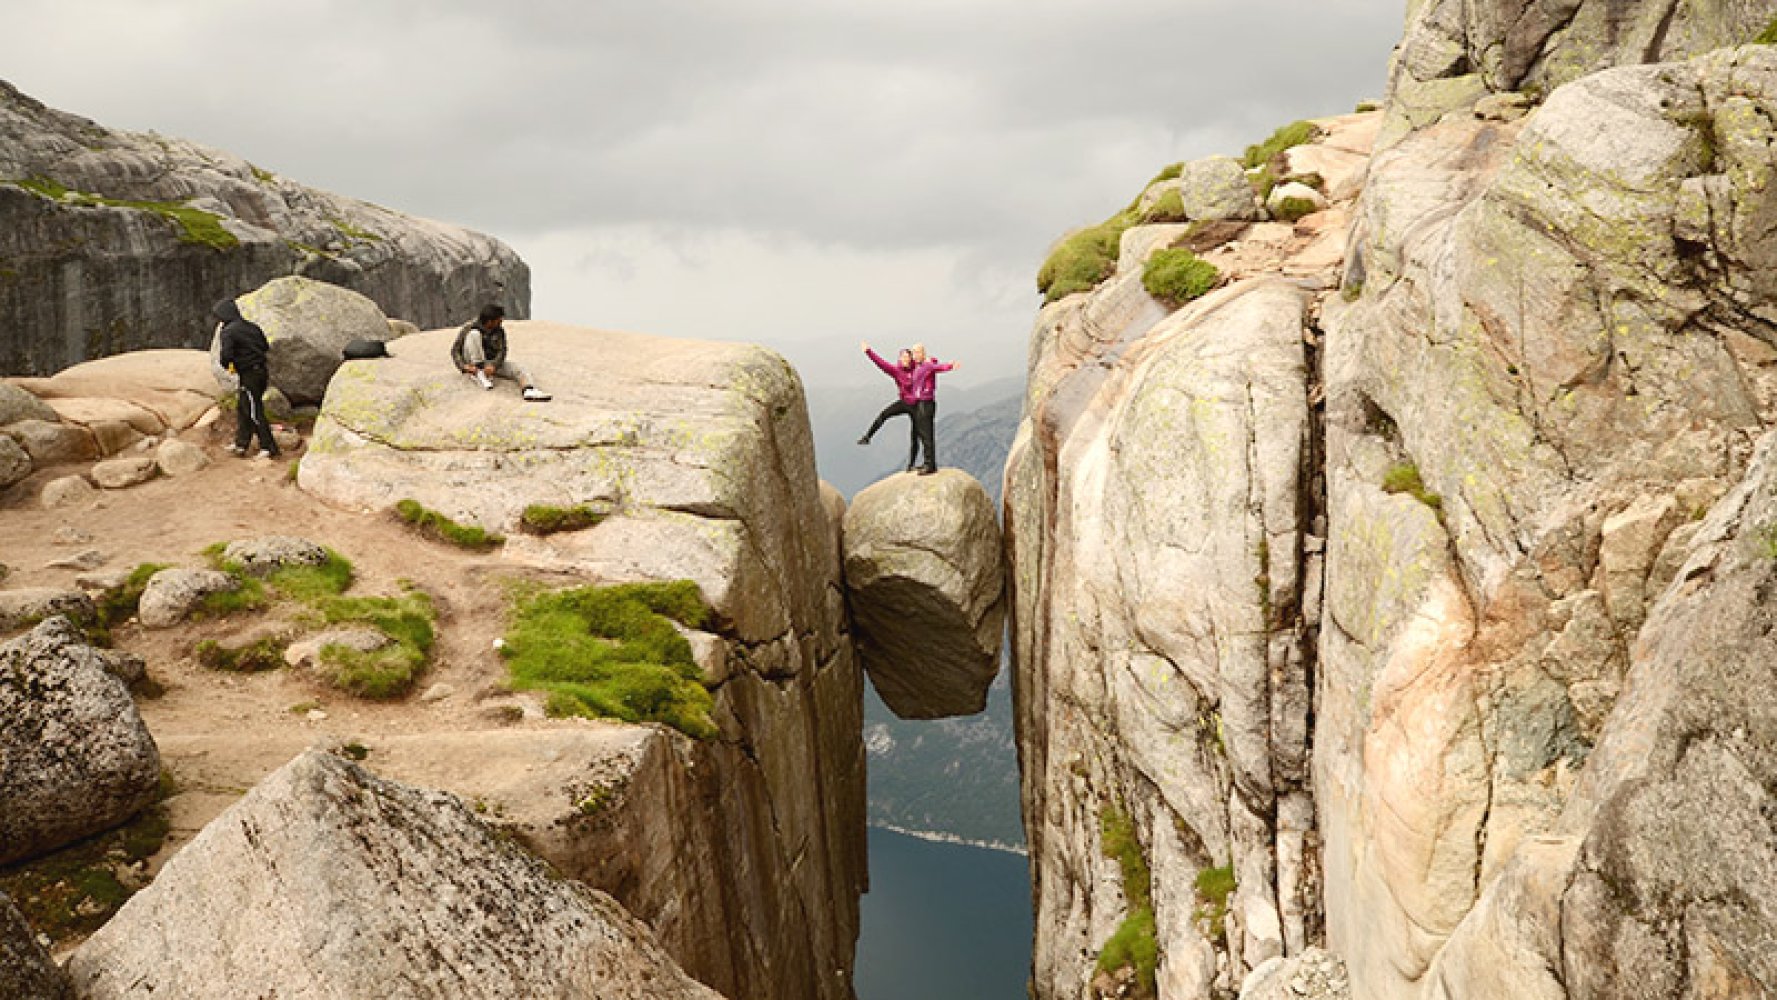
pixel 1404 478
pixel 1767 36
pixel 1291 209
pixel 1169 207
pixel 542 519
pixel 1286 137
pixel 1084 260
pixel 1177 276
pixel 613 652
pixel 436 526
pixel 409 620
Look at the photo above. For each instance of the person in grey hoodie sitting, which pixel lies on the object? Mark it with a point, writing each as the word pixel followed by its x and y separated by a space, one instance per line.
pixel 480 350
pixel 242 350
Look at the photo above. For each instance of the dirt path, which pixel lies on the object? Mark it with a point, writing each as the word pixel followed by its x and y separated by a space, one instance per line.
pixel 220 733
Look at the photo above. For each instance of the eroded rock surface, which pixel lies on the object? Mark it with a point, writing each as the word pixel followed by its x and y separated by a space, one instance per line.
pixel 924 579
pixel 325 881
pixel 75 758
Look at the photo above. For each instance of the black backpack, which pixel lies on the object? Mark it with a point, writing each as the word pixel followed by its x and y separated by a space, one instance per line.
pixel 359 350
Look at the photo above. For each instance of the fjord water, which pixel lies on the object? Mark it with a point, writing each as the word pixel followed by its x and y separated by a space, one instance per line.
pixel 943 922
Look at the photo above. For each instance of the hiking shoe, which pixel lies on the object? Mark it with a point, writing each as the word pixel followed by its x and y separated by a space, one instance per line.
pixel 532 394
pixel 237 451
pixel 486 383
pixel 928 470
pixel 266 455
pixel 863 440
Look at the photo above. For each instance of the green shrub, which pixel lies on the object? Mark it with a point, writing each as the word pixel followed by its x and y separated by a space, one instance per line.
pixel 1214 886
pixel 1286 137
pixel 1291 209
pixel 264 654
pixel 1365 106
pixel 542 519
pixel 1169 207
pixel 1262 179
pixel 437 526
pixel 1134 943
pixel 613 652
pixel 390 671
pixel 1767 36
pixel 1177 276
pixel 1084 260
pixel 1404 478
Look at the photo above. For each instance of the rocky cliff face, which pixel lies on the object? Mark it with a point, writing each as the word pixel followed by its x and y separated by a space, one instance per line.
pixel 1458 598
pixel 1161 507
pixel 745 851
pixel 116 241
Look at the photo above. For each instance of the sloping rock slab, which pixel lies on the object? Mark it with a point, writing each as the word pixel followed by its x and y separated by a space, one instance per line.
pixel 924 572
pixel 325 881
pixel 75 758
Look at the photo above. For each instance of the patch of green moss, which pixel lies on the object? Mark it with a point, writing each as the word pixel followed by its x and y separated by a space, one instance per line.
pixel 247 595
pixel 118 604
pixel 312 583
pixel 1352 292
pixel 1367 106
pixel 1403 477
pixel 263 654
pixel 354 232
pixel 1177 276
pixel 1262 179
pixel 542 519
pixel 436 526
pixel 1085 259
pixel 613 652
pixel 1169 207
pixel 1134 944
pixel 1169 172
pixel 261 175
pixel 195 225
pixel 1291 209
pixel 73 891
pixel 1767 36
pixel 1766 536
pixel 1286 137
pixel 390 671
pixel 1214 886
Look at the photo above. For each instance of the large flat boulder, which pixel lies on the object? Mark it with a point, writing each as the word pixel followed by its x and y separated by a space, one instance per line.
pixel 925 580
pixel 151 389
pixel 325 881
pixel 75 757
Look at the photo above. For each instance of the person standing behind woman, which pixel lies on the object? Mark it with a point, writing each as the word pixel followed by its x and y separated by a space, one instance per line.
pixel 902 372
pixel 243 351
pixel 924 386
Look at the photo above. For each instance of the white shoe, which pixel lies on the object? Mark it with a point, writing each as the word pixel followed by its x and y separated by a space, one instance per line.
pixel 486 383
pixel 237 451
pixel 535 395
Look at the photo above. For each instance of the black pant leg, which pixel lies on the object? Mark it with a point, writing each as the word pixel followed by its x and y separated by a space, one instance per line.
pixel 243 416
pixel 925 415
pixel 252 417
pixel 894 409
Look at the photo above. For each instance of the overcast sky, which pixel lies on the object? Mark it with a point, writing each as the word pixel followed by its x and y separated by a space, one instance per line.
pixel 800 173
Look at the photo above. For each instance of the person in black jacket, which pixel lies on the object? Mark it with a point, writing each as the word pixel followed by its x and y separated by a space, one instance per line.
pixel 243 352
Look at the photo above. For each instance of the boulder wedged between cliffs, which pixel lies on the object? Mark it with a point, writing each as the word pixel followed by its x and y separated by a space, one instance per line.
pixel 925 578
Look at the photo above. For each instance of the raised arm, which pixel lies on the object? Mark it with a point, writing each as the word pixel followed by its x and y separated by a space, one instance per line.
pixel 887 368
